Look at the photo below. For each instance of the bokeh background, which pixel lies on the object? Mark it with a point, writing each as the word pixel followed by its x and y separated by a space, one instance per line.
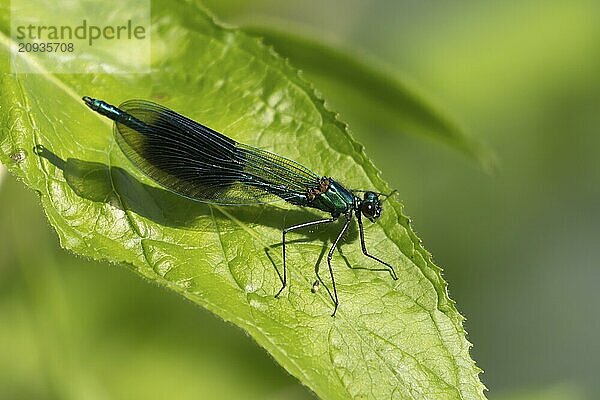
pixel 520 246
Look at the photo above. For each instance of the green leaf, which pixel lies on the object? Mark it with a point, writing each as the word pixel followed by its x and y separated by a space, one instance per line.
pixel 390 339
pixel 370 91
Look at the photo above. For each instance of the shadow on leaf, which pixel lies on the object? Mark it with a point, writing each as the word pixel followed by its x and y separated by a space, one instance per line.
pixel 101 183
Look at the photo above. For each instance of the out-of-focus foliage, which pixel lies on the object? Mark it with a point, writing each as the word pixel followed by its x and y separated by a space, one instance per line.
pixel 550 392
pixel 376 95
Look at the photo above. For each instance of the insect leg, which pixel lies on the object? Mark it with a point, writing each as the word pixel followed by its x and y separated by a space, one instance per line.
pixel 389 268
pixel 334 296
pixel 283 278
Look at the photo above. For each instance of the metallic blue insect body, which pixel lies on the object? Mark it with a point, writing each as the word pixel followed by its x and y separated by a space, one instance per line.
pixel 199 163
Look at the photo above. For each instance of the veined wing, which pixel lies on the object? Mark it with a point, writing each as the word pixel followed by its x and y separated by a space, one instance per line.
pixel 202 164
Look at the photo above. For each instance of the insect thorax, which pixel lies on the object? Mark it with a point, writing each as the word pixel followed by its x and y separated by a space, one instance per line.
pixel 331 197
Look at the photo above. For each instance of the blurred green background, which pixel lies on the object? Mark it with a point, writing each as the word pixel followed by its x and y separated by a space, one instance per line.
pixel 519 247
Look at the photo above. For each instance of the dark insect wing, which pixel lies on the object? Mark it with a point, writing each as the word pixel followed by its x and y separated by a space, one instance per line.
pixel 197 162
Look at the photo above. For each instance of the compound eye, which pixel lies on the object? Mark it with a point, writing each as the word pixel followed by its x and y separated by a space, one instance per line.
pixel 368 209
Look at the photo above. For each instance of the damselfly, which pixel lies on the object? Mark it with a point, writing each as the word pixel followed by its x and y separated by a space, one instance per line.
pixel 194 161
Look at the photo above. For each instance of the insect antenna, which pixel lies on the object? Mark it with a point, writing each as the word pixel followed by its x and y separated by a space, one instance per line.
pixel 386 196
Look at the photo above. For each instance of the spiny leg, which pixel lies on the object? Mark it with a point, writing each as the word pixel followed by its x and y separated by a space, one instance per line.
pixel 389 268
pixel 333 296
pixel 283 278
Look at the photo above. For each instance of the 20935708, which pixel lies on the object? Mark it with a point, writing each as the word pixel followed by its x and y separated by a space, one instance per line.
pixel 46 47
